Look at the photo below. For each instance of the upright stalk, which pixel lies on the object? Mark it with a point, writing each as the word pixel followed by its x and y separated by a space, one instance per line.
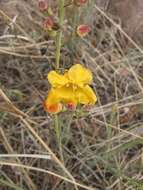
pixel 59 34
pixel 57 56
pixel 74 25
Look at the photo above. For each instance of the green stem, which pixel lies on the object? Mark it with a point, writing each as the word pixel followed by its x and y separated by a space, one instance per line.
pixel 58 136
pixel 74 23
pixel 57 56
pixel 59 35
pixel 57 129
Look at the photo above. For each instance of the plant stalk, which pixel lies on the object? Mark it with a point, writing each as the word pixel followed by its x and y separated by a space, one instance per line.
pixel 59 34
pixel 57 57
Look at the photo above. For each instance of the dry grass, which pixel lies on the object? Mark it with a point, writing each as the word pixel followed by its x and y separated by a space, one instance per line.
pixel 102 147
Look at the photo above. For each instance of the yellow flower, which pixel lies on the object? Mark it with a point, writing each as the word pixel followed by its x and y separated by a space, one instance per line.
pixel 77 75
pixel 71 88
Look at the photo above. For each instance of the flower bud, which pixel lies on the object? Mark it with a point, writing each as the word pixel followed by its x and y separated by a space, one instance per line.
pixel 48 24
pixel 83 30
pixel 71 106
pixel 52 108
pixel 80 2
pixel 43 5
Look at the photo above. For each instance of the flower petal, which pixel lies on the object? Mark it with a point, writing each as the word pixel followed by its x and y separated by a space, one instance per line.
pixel 52 103
pixel 53 97
pixel 86 95
pixel 79 75
pixel 57 80
pixel 66 94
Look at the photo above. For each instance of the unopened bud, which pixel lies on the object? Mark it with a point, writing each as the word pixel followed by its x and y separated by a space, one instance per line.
pixel 83 30
pixel 43 5
pixel 48 24
pixel 71 106
pixel 80 2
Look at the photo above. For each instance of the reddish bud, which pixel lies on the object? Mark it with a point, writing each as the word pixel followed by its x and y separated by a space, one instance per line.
pixel 48 24
pixel 80 2
pixel 53 108
pixel 43 5
pixel 71 106
pixel 83 30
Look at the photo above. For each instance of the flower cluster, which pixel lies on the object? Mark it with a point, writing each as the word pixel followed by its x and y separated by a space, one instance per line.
pixel 49 24
pixel 51 27
pixel 44 7
pixel 82 30
pixel 70 89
